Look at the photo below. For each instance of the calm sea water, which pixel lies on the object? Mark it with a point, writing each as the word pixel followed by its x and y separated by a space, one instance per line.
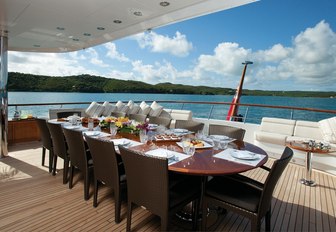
pixel 254 114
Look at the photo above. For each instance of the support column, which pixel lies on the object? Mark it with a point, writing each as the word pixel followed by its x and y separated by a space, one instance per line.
pixel 3 96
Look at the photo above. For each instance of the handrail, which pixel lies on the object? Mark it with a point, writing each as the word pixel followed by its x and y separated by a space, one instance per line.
pixel 192 102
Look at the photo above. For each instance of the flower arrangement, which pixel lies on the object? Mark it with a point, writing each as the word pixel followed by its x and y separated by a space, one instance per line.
pixel 124 125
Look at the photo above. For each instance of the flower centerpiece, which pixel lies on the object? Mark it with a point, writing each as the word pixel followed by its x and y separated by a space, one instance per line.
pixel 124 124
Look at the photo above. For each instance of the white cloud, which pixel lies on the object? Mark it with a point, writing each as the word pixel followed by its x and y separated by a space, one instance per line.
pixel 94 57
pixel 177 46
pixel 114 54
pixel 52 64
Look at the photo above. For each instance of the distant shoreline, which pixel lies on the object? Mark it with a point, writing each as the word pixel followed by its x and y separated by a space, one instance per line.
pixel 20 82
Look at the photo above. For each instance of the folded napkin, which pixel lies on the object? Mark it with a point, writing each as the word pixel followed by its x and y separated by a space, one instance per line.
pixel 79 128
pixel 172 156
pixel 125 142
pixel 240 156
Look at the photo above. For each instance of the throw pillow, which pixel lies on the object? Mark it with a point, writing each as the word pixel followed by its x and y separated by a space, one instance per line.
pixel 328 129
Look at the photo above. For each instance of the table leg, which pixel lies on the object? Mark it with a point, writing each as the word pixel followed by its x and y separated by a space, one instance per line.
pixel 308 181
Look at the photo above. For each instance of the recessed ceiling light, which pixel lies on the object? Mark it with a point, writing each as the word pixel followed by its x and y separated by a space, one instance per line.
pixel 117 21
pixel 60 28
pixel 164 4
pixel 137 13
pixel 87 34
pixel 101 28
pixel 75 39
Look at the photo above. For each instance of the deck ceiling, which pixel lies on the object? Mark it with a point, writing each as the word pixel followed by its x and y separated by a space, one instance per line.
pixel 70 25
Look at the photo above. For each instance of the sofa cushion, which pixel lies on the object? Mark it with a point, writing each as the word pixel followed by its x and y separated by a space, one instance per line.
pixel 328 129
pixel 99 110
pixel 181 114
pixel 156 109
pixel 269 137
pixel 108 108
pixel 91 109
pixel 278 126
pixel 308 130
pixel 145 109
pixel 134 109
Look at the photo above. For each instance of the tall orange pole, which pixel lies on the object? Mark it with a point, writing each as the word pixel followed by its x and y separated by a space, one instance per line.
pixel 233 111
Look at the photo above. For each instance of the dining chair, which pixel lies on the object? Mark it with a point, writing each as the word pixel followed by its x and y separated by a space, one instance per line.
pixel 148 186
pixel 108 169
pixel 138 117
pixel 80 158
pixel 230 131
pixel 118 114
pixel 244 195
pixel 160 121
pixel 66 114
pixel 46 141
pixel 190 125
pixel 59 149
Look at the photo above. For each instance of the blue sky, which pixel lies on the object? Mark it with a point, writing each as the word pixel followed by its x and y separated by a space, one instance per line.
pixel 291 42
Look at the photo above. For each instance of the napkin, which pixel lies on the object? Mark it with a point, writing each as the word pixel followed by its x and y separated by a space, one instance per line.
pixel 125 142
pixel 173 156
pixel 232 154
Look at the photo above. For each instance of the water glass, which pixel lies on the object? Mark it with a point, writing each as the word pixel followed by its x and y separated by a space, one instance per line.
pixel 191 150
pixel 216 144
pixel 143 136
pixel 113 129
pixel 90 124
pixel 224 144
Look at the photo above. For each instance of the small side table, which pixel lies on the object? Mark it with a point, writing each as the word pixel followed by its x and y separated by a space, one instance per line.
pixel 309 148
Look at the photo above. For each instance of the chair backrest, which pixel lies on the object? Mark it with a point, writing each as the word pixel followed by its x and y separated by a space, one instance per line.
pixel 45 134
pixel 189 125
pixel 160 121
pixel 58 140
pixel 105 162
pixel 66 114
pixel 230 131
pixel 76 148
pixel 118 114
pixel 138 117
pixel 272 179
pixel 147 180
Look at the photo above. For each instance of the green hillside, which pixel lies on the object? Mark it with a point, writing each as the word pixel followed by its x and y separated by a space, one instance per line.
pixel 96 84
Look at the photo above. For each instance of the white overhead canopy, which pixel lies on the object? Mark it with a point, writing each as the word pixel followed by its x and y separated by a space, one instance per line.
pixel 70 25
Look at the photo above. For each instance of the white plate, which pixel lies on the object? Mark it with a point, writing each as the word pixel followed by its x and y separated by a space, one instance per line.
pixel 122 142
pixel 92 133
pixel 152 126
pixel 162 153
pixel 206 145
pixel 244 155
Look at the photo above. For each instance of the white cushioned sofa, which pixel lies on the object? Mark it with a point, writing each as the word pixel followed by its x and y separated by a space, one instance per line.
pixel 274 133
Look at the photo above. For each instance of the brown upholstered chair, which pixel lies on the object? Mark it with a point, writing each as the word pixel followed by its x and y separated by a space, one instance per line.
pixel 118 114
pixel 160 121
pixel 67 114
pixel 80 158
pixel 189 125
pixel 148 186
pixel 59 148
pixel 246 196
pixel 137 117
pixel 46 141
pixel 230 131
pixel 107 170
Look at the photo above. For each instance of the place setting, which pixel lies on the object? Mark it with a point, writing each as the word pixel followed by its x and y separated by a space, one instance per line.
pixel 240 156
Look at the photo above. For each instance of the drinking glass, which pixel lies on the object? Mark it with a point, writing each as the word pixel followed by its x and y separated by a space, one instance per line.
pixel 113 129
pixel 224 144
pixel 143 136
pixel 216 144
pixel 90 124
pixel 191 150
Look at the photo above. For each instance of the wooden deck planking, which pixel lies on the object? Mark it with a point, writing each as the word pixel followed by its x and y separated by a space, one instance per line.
pixel 34 200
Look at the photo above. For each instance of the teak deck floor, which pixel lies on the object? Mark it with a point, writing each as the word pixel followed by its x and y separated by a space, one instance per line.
pixel 33 200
